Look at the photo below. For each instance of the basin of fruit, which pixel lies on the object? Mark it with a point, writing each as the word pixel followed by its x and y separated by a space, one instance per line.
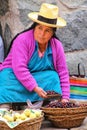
pixel 57 107
pixel 65 115
pixel 25 119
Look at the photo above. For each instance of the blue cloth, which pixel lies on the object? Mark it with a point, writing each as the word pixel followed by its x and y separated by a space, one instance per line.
pixel 11 90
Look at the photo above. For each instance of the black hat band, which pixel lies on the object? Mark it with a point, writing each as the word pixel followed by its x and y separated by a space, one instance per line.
pixel 47 20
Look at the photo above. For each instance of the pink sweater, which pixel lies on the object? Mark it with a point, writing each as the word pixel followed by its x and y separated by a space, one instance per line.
pixel 20 54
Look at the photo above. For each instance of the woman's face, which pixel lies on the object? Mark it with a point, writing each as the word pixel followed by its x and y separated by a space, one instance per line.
pixel 42 34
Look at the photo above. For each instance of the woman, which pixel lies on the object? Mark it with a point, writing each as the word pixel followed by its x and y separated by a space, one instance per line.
pixel 36 61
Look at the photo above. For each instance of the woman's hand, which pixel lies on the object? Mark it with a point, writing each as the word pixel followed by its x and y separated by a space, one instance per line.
pixel 64 100
pixel 40 92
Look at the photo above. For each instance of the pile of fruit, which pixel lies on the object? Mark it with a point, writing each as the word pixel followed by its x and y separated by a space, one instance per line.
pixel 12 116
pixel 51 92
pixel 59 104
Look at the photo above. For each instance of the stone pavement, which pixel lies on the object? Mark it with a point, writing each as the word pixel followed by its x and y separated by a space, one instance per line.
pixel 46 125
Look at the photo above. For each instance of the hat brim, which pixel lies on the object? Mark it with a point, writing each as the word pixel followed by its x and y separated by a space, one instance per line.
pixel 60 21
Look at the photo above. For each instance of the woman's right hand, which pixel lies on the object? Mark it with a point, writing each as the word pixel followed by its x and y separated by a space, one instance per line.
pixel 40 92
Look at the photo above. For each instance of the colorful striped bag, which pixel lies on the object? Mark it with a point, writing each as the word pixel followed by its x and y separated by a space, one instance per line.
pixel 78 85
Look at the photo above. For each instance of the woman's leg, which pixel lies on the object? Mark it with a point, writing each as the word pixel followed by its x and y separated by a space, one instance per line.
pixel 6 106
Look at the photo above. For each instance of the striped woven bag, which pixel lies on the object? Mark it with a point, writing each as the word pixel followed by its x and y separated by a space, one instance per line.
pixel 78 85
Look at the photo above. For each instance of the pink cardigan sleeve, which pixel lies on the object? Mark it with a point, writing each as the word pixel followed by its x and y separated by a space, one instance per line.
pixel 20 58
pixel 61 67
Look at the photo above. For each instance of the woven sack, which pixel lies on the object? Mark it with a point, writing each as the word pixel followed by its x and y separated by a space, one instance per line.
pixel 78 85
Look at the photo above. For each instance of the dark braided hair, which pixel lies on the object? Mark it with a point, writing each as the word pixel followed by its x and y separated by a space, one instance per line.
pixel 31 27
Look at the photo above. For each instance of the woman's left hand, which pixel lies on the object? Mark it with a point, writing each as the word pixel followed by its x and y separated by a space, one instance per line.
pixel 64 100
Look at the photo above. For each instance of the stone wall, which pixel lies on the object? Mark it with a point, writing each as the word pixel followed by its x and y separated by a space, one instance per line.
pixel 14 19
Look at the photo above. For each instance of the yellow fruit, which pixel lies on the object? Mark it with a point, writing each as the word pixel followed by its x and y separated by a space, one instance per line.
pixel 32 115
pixel 38 113
pixel 8 118
pixel 23 116
pixel 16 116
pixel 18 120
pixel 11 119
pixel 27 112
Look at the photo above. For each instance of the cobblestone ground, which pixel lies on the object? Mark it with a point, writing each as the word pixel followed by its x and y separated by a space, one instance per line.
pixel 46 125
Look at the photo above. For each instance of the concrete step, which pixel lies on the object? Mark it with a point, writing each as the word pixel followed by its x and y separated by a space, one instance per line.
pixel 47 125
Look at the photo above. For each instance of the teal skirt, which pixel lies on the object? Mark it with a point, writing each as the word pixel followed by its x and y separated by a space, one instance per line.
pixel 11 90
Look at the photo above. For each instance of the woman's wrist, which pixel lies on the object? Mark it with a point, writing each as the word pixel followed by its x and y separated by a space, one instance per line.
pixel 35 89
pixel 67 97
pixel 64 100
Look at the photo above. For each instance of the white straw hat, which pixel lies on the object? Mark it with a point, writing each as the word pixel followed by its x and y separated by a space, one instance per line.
pixel 48 15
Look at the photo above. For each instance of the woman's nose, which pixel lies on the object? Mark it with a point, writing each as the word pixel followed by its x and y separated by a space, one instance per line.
pixel 42 33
